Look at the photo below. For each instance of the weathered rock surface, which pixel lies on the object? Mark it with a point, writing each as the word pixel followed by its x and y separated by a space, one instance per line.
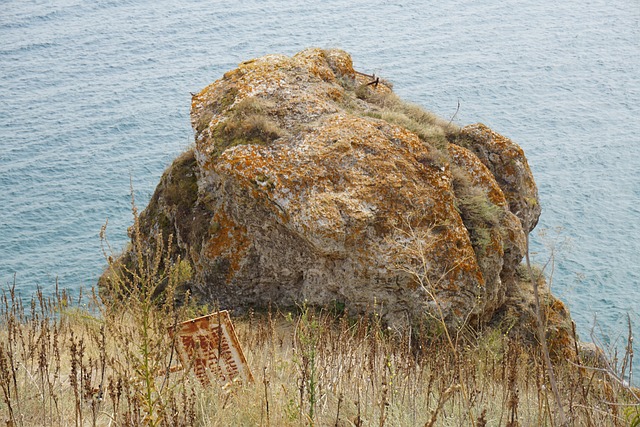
pixel 308 183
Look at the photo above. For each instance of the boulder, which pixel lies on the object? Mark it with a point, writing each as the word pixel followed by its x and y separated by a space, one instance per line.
pixel 310 181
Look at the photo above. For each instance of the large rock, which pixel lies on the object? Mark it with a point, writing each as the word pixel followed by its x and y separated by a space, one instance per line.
pixel 307 183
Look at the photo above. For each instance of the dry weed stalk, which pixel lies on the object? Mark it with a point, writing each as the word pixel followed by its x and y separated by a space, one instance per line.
pixel 413 247
pixel 142 292
pixel 542 336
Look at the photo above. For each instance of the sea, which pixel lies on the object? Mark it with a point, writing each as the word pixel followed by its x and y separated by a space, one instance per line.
pixel 95 98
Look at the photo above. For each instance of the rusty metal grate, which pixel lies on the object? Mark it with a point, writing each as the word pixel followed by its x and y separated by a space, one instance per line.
pixel 210 347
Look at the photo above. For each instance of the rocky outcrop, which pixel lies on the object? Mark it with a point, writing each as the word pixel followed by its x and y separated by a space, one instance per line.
pixel 309 182
pixel 506 161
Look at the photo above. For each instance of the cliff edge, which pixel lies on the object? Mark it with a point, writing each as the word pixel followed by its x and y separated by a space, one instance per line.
pixel 310 181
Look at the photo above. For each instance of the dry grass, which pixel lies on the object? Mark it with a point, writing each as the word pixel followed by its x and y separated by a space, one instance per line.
pixel 390 108
pixel 61 363
pixel 248 123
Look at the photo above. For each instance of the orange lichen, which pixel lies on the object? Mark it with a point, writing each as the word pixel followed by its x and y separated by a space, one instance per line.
pixel 228 239
pixel 559 331
pixel 315 61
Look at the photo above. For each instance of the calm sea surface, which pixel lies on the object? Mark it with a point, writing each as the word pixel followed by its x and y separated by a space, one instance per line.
pixel 94 94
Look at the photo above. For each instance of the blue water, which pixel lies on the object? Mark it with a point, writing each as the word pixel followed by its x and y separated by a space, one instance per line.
pixel 95 95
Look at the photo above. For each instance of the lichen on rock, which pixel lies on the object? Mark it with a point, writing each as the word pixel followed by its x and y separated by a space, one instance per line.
pixel 309 183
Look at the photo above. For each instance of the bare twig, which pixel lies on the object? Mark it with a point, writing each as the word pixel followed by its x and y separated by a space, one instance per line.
pixel 442 399
pixel 542 337
pixel 456 113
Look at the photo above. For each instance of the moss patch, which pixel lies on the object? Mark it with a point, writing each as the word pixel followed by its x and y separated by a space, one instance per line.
pixel 174 209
